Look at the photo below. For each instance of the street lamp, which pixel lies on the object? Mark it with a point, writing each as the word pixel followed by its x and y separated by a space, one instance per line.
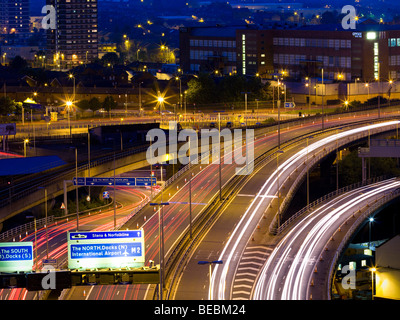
pixel 309 95
pixel 161 232
pixel 69 106
pixel 373 270
pixel 35 258
pixel 209 269
pixel 277 179
pixel 160 100
pixel 25 142
pixel 308 177
pixel 367 86
pixel 370 220
pixel 71 76
pixel 45 210
pixel 180 91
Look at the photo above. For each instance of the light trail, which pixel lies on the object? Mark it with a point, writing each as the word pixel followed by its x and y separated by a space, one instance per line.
pixel 219 276
pixel 316 230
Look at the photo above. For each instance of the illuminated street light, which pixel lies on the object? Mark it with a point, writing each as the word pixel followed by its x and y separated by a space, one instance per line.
pixel 25 142
pixel 373 270
pixel 370 220
pixel 69 106
pixel 209 269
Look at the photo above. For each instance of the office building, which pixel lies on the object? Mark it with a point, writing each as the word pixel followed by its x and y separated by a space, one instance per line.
pixel 368 53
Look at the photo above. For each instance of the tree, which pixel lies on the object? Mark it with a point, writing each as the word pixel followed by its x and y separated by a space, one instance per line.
pixel 201 90
pixel 7 106
pixel 110 58
pixel 18 64
pixel 83 104
pixel 94 104
pixel 109 103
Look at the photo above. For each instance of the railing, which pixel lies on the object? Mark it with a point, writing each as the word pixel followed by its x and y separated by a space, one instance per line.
pixel 371 208
pixel 25 228
pixel 313 160
pixel 308 209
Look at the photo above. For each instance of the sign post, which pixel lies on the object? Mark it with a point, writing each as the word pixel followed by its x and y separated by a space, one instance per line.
pixel 106 249
pixel 108 182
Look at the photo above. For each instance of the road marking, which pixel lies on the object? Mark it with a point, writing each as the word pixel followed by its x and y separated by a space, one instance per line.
pixel 252 259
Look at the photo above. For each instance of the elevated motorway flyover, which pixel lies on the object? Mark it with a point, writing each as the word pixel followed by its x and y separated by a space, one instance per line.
pixel 302 265
pixel 252 210
pixel 205 190
pixel 21 196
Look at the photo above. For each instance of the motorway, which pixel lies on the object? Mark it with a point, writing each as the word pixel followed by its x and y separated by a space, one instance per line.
pixel 176 215
pixel 288 272
pixel 231 235
pixel 127 199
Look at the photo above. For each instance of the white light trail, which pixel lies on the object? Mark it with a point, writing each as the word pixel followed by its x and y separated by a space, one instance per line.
pixel 252 211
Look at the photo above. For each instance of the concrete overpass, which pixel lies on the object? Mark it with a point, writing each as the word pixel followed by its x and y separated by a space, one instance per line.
pixel 317 237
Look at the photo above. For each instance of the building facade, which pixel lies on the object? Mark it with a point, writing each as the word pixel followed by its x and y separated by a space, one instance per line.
pixel 14 16
pixel 74 41
pixel 369 53
pixel 208 49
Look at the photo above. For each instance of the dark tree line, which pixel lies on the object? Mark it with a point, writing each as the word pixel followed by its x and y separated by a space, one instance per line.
pixel 208 89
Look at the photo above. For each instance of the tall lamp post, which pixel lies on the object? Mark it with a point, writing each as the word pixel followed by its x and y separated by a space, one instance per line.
pixel 161 233
pixel 180 91
pixel 69 106
pixel 210 263
pixel 45 210
pixel 308 176
pixel 160 100
pixel 25 142
pixel 370 220
pixel 71 76
pixel 34 222
pixel 76 192
pixel 277 180
pixel 373 270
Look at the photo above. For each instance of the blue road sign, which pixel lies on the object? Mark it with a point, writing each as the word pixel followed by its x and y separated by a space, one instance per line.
pixel 146 181
pixel 106 195
pixel 49 261
pixel 96 235
pixel 106 249
pixel 104 182
pixel 115 250
pixel 19 253
pixel 16 256
pixel 81 181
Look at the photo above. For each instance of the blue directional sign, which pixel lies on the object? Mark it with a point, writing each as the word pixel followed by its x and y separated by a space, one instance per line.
pixel 81 181
pixel 16 256
pixel 146 181
pixel 106 249
pixel 104 182
pixel 120 250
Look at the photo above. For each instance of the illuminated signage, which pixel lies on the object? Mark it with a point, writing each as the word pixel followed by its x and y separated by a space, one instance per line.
pixel 16 256
pixel 371 35
pixel 106 249
pixel 357 34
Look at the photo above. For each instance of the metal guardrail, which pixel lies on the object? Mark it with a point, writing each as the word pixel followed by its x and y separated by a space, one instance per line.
pixel 308 209
pixel 372 206
pixel 314 159
pixel 25 228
